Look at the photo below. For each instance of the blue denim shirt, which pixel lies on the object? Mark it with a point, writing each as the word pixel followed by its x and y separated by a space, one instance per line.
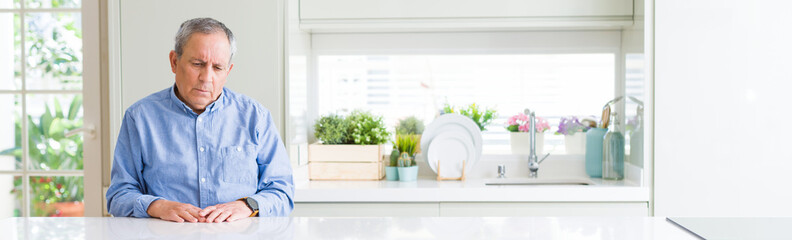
pixel 167 151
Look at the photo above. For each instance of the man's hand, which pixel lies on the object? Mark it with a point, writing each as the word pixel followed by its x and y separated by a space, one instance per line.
pixel 230 211
pixel 175 211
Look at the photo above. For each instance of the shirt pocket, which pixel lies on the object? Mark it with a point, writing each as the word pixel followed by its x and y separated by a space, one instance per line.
pixel 239 164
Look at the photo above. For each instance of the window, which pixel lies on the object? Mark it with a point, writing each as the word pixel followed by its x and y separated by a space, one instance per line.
pixel 556 74
pixel 41 92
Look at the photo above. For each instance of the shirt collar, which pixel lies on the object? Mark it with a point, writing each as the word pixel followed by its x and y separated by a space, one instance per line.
pixel 214 106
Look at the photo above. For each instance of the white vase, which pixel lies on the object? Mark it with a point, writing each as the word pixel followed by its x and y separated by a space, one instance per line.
pixel 575 143
pixel 521 143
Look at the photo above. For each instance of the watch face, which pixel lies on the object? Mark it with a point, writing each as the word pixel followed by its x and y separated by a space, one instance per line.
pixel 252 203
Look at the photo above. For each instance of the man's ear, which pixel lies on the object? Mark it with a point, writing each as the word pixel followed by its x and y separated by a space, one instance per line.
pixel 229 69
pixel 173 59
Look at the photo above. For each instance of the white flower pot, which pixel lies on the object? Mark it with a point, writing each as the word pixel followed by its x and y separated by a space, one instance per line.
pixel 575 143
pixel 521 143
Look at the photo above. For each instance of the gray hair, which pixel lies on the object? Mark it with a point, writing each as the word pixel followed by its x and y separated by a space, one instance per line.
pixel 205 26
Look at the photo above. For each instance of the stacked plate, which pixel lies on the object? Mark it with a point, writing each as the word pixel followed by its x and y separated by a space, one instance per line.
pixel 451 140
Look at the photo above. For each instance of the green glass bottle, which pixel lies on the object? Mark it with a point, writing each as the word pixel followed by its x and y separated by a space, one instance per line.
pixel 613 151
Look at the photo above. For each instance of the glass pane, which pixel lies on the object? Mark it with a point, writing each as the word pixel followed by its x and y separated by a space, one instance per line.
pixel 10 132
pixel 50 116
pixel 56 196
pixel 52 3
pixel 53 43
pixel 10 196
pixel 6 4
pixel 399 86
pixel 10 51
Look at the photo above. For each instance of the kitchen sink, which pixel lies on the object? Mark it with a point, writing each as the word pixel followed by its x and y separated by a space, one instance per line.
pixel 538 182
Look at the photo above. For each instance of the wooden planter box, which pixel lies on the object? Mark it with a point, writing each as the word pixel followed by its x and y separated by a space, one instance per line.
pixel 346 162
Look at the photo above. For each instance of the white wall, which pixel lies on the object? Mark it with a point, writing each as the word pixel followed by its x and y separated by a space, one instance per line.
pixel 147 29
pixel 722 71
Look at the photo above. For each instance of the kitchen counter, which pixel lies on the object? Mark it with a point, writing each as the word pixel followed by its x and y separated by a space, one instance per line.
pixel 471 190
pixel 427 189
pixel 347 228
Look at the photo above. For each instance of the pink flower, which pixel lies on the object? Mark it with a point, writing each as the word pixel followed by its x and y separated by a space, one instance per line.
pixel 521 123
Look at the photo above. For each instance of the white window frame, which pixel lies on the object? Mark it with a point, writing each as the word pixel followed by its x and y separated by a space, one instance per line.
pixel 92 150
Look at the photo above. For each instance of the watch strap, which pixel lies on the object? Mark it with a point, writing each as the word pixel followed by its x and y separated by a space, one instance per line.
pixel 255 212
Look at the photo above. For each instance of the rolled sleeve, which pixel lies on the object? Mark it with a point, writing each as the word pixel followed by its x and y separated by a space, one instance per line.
pixel 143 202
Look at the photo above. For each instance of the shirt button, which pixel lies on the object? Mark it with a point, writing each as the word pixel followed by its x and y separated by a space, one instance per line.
pixel 239 149
pixel 199 119
pixel 203 179
pixel 201 149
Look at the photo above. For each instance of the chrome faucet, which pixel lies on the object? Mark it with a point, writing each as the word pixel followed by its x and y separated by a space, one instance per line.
pixel 533 162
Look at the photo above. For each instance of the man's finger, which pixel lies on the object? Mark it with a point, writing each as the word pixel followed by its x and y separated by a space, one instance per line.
pixel 236 216
pixel 223 216
pixel 187 216
pixel 207 210
pixel 174 218
pixel 213 215
pixel 194 211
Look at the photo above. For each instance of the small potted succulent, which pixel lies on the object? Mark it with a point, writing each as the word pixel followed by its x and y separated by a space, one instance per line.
pixel 574 134
pixel 482 118
pixel 405 162
pixel 520 136
pixel 350 148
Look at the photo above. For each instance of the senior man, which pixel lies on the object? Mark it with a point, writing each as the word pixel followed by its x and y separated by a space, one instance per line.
pixel 197 151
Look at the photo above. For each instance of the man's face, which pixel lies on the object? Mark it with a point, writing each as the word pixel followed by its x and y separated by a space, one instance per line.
pixel 202 69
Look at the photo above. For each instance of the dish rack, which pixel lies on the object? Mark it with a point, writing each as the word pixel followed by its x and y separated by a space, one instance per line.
pixel 440 178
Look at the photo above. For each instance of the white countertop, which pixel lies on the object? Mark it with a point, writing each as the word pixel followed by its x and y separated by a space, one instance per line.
pixel 472 190
pixel 347 228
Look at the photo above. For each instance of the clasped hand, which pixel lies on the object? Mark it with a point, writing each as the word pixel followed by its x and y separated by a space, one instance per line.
pixel 184 212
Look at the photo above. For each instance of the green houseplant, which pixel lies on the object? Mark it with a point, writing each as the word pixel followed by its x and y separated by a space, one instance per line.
pixel 406 166
pixel 411 125
pixel 50 149
pixel 482 117
pixel 350 148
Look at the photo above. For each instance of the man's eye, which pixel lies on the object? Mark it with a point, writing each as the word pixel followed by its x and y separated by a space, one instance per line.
pixel 218 68
pixel 197 64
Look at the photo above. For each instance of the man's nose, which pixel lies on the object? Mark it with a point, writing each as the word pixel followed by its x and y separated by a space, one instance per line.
pixel 205 74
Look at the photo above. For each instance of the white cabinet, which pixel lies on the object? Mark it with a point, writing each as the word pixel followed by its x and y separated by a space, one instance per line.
pixel 417 15
pixel 471 209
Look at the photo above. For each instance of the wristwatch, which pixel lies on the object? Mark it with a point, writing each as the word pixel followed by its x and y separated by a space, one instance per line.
pixel 252 204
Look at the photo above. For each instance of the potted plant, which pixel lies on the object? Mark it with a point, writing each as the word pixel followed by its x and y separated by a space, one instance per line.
pixel 405 163
pixel 574 134
pixel 350 148
pixel 519 133
pixel 52 196
pixel 411 125
pixel 482 118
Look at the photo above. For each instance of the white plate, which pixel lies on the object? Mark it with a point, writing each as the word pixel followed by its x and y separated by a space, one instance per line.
pixel 450 149
pixel 453 122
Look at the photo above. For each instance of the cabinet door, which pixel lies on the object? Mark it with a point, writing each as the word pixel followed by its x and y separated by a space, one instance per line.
pixel 365 210
pixel 543 209
pixel 421 9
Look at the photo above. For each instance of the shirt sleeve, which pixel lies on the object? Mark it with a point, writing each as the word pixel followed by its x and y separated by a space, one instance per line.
pixel 275 190
pixel 125 197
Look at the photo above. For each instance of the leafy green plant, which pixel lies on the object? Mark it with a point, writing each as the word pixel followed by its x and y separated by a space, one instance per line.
pixel 482 118
pixel 332 129
pixel 410 125
pixel 360 127
pixel 367 129
pixel 50 149
pixel 407 143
